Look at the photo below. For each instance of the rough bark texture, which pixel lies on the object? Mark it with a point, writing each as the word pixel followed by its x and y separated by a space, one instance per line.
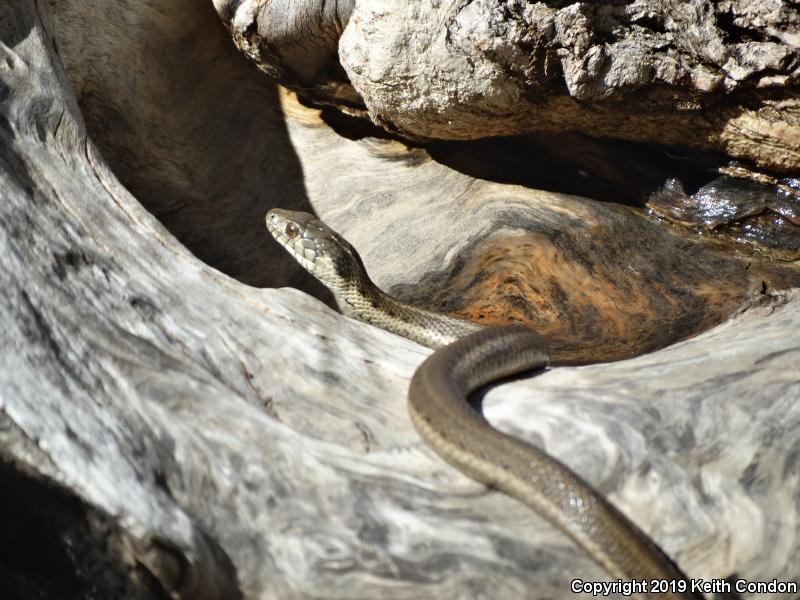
pixel 664 72
pixel 295 42
pixel 204 437
pixel 722 76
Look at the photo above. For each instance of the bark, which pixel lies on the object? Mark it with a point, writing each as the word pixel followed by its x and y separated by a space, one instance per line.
pixel 721 76
pixel 167 427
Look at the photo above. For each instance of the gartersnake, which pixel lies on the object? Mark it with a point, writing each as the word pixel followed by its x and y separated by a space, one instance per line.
pixel 469 356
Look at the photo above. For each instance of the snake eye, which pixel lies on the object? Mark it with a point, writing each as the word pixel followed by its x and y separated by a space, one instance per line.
pixel 291 230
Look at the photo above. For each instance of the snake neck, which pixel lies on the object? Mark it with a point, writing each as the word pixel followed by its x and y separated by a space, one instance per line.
pixel 357 296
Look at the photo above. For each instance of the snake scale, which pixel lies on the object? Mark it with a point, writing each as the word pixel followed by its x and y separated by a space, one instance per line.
pixel 467 357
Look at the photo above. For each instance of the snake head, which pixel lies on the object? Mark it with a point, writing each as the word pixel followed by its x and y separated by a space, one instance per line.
pixel 318 248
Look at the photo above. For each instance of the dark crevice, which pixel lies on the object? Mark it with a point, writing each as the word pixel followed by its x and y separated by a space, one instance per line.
pixel 601 169
pixel 651 23
pixel 735 34
pixel 56 547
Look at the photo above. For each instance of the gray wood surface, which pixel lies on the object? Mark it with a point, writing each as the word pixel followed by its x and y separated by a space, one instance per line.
pixel 249 441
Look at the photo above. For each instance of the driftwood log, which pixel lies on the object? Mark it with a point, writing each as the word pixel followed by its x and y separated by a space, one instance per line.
pixel 168 426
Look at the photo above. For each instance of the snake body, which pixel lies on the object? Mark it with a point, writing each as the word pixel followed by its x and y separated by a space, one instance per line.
pixel 469 356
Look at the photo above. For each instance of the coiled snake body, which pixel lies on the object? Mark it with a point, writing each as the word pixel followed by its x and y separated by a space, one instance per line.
pixel 468 357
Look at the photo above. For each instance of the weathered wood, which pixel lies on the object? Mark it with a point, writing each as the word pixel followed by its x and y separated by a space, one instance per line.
pixel 295 42
pixel 221 439
pixel 716 75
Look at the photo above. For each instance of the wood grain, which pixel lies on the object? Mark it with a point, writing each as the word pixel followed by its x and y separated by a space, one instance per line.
pixel 229 440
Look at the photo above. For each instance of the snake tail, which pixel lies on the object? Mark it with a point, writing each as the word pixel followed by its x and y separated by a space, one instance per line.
pixel 463 438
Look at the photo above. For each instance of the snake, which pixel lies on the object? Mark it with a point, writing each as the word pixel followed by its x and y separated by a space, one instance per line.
pixel 466 357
